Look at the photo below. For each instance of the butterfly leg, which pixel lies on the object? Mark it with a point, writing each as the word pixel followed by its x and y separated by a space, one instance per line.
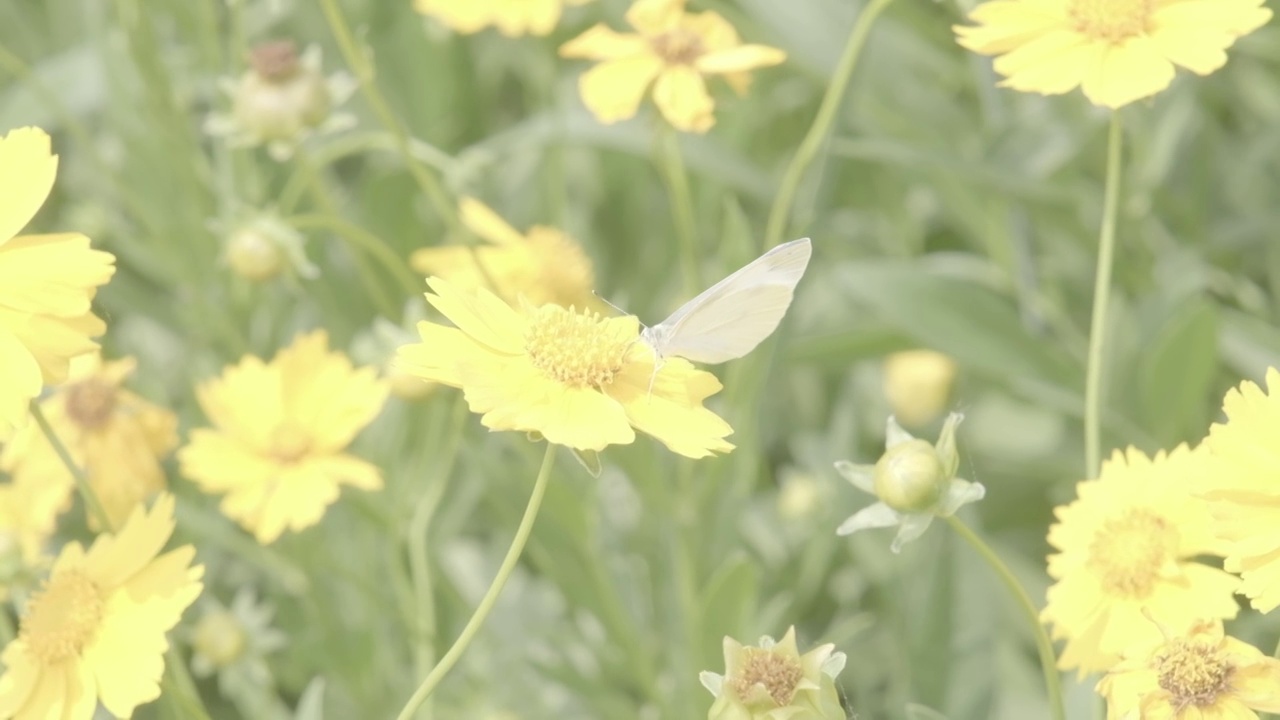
pixel 656 367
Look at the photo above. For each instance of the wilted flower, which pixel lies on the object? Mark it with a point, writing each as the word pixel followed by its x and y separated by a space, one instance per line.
pixel 773 681
pixel 914 482
pixel 917 384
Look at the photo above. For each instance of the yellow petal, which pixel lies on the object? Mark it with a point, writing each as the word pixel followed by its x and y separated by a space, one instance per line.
pixel 518 17
pixel 127 656
pixel 218 462
pixel 738 59
pixel 654 17
pixel 22 380
pixel 681 95
pixel 467 16
pixel 612 90
pixel 1005 25
pixel 21 675
pixel 485 223
pixel 112 560
pixel 672 412
pixel 246 401
pixel 52 274
pixel 1128 72
pixel 602 43
pixel 27 169
pixel 439 355
pixel 479 314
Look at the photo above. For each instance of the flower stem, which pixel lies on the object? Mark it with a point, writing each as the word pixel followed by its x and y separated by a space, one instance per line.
pixel 808 150
pixel 676 176
pixel 363 69
pixel 360 239
pixel 1048 661
pixel 1101 301
pixel 92 506
pixel 490 598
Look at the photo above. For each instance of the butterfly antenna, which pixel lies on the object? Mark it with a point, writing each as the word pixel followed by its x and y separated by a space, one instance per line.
pixel 605 300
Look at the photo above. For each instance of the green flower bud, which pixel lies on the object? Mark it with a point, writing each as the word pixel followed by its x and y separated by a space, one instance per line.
pixel 220 637
pixel 909 477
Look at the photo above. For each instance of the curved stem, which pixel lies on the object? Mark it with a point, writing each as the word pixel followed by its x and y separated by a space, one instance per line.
pixel 92 506
pixel 369 242
pixel 671 164
pixel 1101 301
pixel 808 150
pixel 490 598
pixel 363 70
pixel 1044 646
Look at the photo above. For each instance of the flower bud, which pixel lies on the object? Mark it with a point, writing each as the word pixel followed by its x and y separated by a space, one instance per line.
pixel 280 96
pixel 910 477
pixel 917 384
pixel 220 638
pixel 253 255
pixel 773 680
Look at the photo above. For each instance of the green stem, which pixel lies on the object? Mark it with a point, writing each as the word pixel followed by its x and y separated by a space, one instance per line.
pixel 671 164
pixel 808 150
pixel 366 241
pixel 1044 646
pixel 92 506
pixel 1101 301
pixel 363 69
pixel 490 598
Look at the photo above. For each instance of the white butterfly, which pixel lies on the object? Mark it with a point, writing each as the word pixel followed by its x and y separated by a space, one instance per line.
pixel 729 319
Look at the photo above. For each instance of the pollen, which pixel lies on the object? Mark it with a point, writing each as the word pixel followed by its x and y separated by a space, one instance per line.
pixel 91 402
pixel 62 618
pixel 678 46
pixel 1113 21
pixel 289 443
pixel 1129 552
pixel 1193 673
pixel 575 348
pixel 776 673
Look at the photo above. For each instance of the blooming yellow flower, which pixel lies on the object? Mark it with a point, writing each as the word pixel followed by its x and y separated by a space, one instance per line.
pixel 116 437
pixel 1117 51
pixel 280 429
pixel 773 681
pixel 673 51
pixel 917 384
pixel 96 630
pixel 1241 485
pixel 1126 549
pixel 1199 675
pixel 47 282
pixel 545 266
pixel 513 18
pixel 576 378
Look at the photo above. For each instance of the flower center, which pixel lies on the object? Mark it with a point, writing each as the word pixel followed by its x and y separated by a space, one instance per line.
pixel 1128 552
pixel 289 443
pixel 574 348
pixel 90 402
pixel 1111 20
pixel 62 617
pixel 776 673
pixel 678 46
pixel 1193 673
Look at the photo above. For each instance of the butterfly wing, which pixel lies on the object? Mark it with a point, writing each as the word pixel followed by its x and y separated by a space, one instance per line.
pixel 732 317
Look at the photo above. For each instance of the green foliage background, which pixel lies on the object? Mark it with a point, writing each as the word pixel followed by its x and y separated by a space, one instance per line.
pixel 945 213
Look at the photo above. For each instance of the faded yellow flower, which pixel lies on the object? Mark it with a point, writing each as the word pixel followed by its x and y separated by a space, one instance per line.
pixel 95 632
pixel 1126 549
pixel 276 451
pixel 578 379
pixel 544 266
pixel 513 18
pixel 47 282
pixel 673 51
pixel 117 438
pixel 1117 51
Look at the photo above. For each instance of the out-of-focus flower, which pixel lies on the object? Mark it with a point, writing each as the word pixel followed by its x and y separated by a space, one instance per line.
pixel 773 681
pixel 1240 482
pixel 576 378
pixel 117 438
pixel 914 482
pixel 513 18
pixel 47 282
pixel 544 266
pixel 280 430
pixel 95 632
pixel 917 384
pixel 263 245
pixel 378 345
pixel 673 51
pixel 1126 548
pixel 1117 51
pixel 282 100
pixel 1196 675
pixel 233 644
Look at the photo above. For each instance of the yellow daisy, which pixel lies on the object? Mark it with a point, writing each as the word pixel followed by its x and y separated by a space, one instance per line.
pixel 280 429
pixel 673 51
pixel 545 266
pixel 1243 487
pixel 1126 549
pixel 96 630
pixel 1199 675
pixel 116 437
pixel 1117 51
pixel 47 282
pixel 576 378
pixel 513 18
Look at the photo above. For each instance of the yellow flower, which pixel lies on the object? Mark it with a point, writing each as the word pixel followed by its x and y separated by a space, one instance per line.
pixel 1126 548
pixel 1243 487
pixel 280 431
pixel 47 282
pixel 917 384
pixel 1199 675
pixel 672 51
pixel 512 17
pixel 773 681
pixel 1117 51
pixel 545 266
pixel 576 378
pixel 116 437
pixel 96 630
